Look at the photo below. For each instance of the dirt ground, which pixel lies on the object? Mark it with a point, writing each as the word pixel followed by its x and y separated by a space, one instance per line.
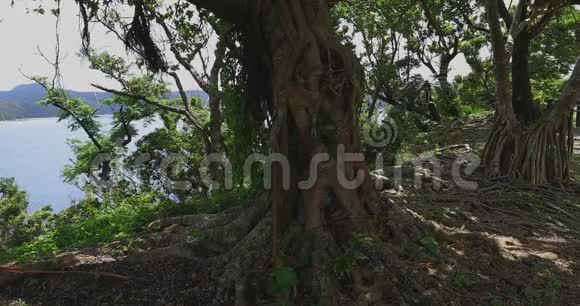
pixel 501 243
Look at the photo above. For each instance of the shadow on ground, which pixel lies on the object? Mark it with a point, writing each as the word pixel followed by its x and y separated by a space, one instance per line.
pixel 501 245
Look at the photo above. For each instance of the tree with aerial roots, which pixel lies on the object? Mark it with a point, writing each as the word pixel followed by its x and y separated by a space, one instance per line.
pixel 303 77
pixel 538 153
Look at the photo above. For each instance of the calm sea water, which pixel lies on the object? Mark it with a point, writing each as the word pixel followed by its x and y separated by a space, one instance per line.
pixel 34 152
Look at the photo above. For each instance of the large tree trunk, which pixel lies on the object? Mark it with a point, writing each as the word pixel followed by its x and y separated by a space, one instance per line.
pixel 316 85
pixel 447 93
pixel 524 107
pixel 539 153
pixel 216 139
pixel 312 85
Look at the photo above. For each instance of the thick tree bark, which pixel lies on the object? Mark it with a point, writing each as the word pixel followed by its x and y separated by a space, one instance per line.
pixel 524 107
pixel 503 90
pixel 216 139
pixel 570 95
pixel 316 91
pixel 316 98
pixel 310 85
pixel 446 88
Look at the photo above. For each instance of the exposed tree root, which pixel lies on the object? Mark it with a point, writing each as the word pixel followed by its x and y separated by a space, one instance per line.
pixel 538 155
pixel 204 221
pixel 373 277
pixel 52 266
pixel 251 254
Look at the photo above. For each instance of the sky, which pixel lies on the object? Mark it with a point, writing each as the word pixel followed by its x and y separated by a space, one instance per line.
pixel 22 34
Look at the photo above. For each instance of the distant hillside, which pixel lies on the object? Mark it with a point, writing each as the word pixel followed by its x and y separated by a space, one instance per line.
pixel 22 102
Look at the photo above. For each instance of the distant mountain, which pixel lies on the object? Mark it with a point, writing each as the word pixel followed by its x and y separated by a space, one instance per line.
pixel 22 101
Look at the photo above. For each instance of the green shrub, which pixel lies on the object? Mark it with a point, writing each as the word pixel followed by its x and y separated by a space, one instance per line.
pixel 91 223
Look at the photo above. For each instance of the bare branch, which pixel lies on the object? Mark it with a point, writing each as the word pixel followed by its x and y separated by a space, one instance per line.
pixel 519 25
pixel 182 93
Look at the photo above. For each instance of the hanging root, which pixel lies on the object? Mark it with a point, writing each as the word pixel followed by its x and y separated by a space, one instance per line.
pixel 539 155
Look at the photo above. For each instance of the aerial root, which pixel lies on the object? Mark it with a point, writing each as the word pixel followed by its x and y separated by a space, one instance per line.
pixel 538 155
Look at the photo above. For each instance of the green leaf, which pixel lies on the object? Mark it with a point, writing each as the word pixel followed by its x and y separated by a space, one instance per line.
pixel 284 279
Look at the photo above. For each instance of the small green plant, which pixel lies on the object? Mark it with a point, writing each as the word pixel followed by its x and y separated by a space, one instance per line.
pixel 430 245
pixel 464 280
pixel 282 283
pixel 345 262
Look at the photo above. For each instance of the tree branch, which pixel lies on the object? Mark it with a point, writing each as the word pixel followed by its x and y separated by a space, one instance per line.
pixel 182 94
pixel 425 61
pixel 474 26
pixel 203 84
pixel 74 117
pixel 505 13
pixel 432 22
pixel 519 24
pixel 552 11
pixel 125 125
pixel 501 63
pixel 92 137
pixel 541 25
pixel 233 11
pixel 158 104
